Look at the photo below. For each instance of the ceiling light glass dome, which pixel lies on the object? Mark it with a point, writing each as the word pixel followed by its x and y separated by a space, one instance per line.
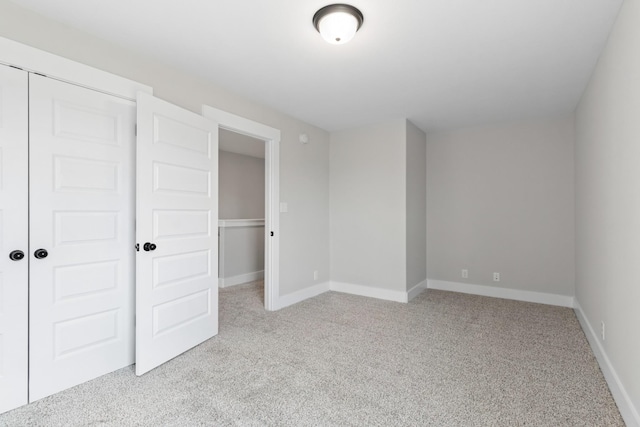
pixel 338 23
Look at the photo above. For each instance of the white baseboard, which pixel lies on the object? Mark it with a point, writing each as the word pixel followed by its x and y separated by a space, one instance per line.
pixel 349 288
pixel 301 295
pixel 496 292
pixel 400 296
pixel 368 291
pixel 416 290
pixel 225 282
pixel 629 412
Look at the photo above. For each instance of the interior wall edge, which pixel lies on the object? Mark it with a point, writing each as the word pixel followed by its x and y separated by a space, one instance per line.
pixel 301 295
pixel 369 291
pixel 416 290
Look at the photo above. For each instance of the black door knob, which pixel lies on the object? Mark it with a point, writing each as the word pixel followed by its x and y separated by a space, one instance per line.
pixel 16 255
pixel 40 253
pixel 149 246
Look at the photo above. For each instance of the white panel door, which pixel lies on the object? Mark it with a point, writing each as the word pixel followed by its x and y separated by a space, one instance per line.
pixel 13 237
pixel 82 148
pixel 177 217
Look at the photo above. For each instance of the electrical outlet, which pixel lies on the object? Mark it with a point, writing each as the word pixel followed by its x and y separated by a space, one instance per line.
pixel 465 273
pixel 602 331
pixel 315 275
pixel 496 277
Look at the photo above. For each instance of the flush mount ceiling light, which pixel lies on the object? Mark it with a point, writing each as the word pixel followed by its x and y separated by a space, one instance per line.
pixel 338 23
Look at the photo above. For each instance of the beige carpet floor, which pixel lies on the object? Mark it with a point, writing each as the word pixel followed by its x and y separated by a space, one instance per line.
pixel 444 359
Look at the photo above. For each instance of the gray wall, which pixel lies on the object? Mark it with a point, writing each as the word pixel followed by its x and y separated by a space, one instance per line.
pixel 243 251
pixel 368 221
pixel 608 199
pixel 416 206
pixel 240 186
pixel 241 196
pixel 304 170
pixel 500 199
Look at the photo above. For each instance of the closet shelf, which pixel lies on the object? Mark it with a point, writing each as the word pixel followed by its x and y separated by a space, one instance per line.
pixel 229 223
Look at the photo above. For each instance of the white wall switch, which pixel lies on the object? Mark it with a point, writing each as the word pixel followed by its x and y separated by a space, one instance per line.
pixel 315 275
pixel 284 207
pixel 465 273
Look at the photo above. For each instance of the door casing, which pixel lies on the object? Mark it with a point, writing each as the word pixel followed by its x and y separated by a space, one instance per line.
pixel 271 137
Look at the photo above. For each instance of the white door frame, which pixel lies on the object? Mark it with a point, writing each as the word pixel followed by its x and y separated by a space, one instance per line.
pixel 271 137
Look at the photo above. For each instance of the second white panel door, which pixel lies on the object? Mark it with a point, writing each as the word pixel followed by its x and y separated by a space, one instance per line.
pixel 177 218
pixel 82 148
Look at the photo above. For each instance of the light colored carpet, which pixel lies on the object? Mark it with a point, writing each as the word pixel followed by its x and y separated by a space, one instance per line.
pixel 444 359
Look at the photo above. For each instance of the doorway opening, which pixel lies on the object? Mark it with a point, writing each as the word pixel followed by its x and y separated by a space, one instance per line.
pixel 241 211
pixel 240 134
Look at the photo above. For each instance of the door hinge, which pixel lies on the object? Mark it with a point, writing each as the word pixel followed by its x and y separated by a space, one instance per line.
pixel 137 247
pixel 272 234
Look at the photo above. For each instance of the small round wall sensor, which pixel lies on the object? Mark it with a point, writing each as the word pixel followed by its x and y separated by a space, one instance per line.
pixel 304 138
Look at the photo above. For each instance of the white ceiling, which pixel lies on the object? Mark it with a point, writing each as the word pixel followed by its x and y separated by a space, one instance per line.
pixel 234 142
pixel 439 63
